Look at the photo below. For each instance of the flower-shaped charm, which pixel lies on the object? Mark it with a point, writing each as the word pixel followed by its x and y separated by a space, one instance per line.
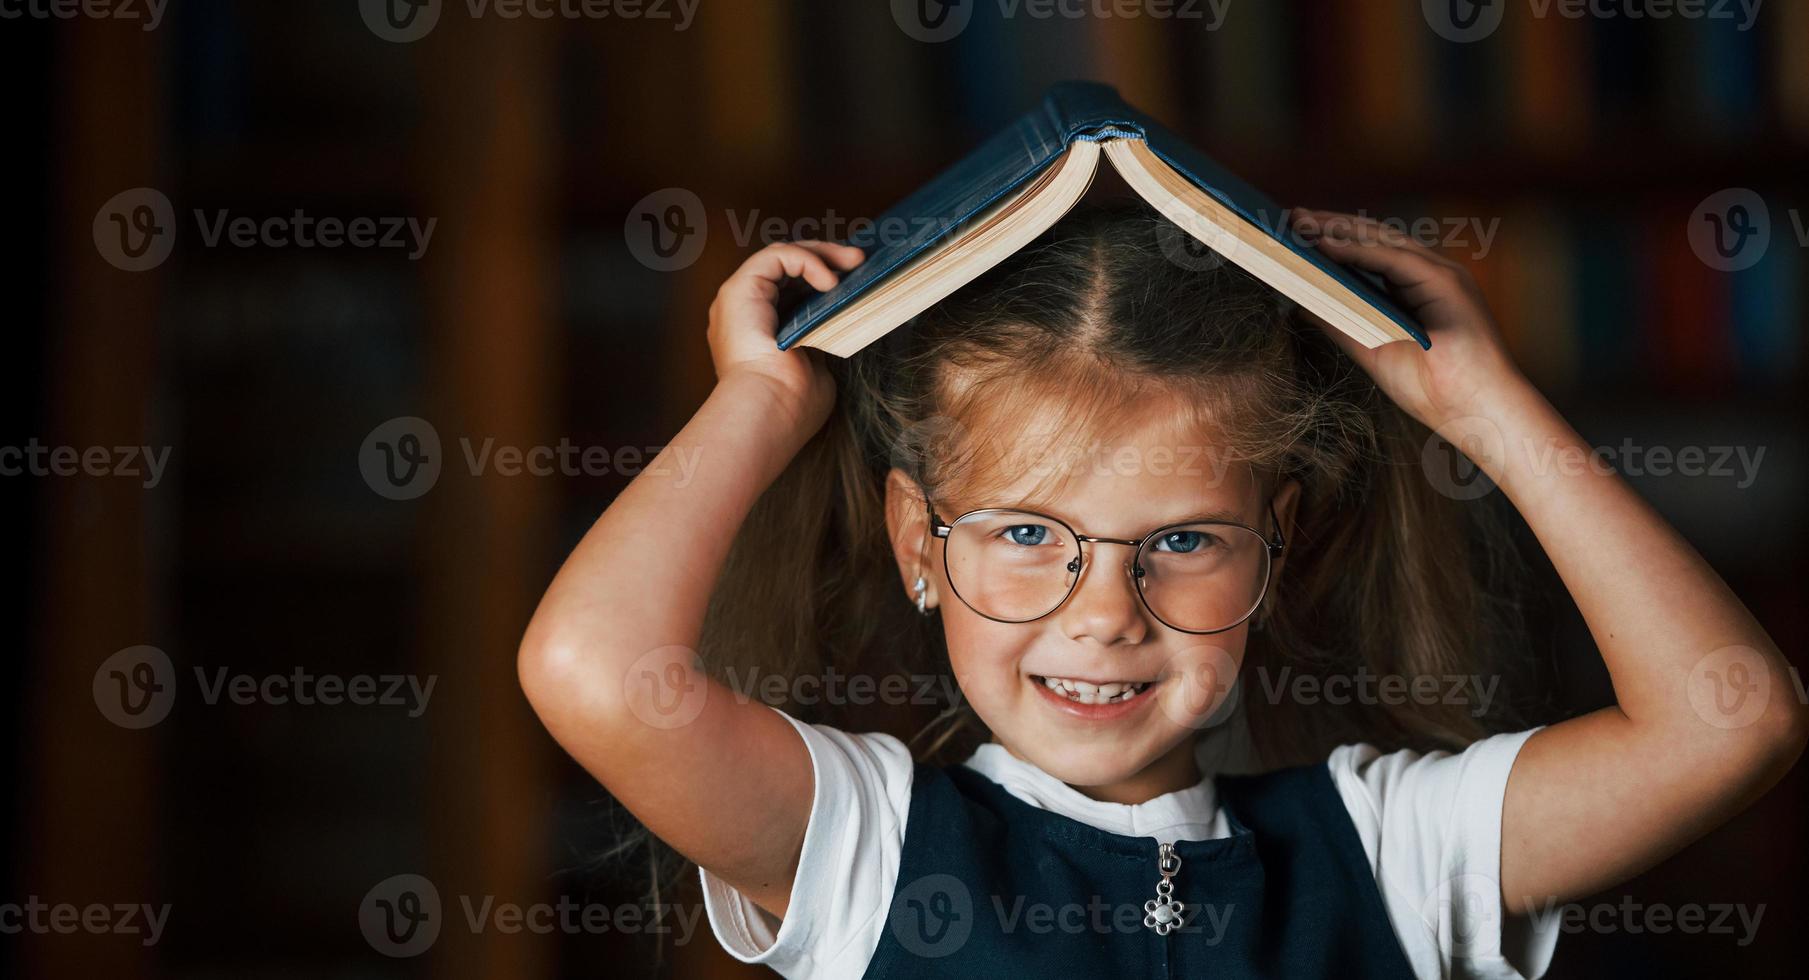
pixel 1162 916
pixel 1163 913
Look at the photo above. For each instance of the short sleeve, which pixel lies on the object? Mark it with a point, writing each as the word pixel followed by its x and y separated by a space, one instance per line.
pixel 847 867
pixel 1431 827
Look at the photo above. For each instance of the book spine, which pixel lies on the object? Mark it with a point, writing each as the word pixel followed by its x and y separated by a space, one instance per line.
pixel 1789 30
pixel 1691 332
pixel 1250 96
pixel 1606 297
pixel 1768 310
pixel 1539 272
pixel 1552 96
pixel 1386 66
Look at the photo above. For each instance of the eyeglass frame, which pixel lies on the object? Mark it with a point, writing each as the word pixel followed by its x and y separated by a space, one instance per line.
pixel 1275 545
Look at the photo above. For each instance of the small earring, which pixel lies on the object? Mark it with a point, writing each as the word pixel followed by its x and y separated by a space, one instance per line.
pixel 918 588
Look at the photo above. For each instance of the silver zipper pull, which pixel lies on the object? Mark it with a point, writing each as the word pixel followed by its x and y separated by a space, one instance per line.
pixel 1163 913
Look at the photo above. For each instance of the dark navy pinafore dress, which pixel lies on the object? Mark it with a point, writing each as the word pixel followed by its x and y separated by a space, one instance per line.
pixel 991 886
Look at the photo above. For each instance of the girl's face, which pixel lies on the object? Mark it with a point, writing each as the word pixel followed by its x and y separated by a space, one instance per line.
pixel 1154 687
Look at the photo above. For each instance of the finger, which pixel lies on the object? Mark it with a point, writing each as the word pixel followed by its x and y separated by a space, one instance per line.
pixel 1351 229
pixel 1417 278
pixel 841 256
pixel 787 260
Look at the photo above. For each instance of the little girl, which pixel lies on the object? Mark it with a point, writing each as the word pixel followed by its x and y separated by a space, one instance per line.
pixel 1131 504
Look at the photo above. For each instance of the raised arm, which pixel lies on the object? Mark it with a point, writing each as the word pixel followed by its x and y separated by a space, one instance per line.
pixel 1706 718
pixel 608 661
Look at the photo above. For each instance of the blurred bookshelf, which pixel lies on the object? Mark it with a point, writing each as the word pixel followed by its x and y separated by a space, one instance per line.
pixel 1588 143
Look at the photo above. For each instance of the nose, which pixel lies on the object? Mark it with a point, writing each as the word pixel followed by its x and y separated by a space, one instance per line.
pixel 1104 606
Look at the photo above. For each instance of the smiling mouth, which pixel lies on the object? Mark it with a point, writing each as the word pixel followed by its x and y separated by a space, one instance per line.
pixel 1086 692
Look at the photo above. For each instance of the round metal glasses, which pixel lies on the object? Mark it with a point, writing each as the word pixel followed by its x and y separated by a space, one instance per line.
pixel 1015 566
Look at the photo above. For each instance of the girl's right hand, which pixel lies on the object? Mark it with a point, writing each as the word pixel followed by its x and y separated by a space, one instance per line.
pixel 744 323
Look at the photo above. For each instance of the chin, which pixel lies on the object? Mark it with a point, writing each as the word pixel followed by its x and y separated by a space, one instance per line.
pixel 1096 768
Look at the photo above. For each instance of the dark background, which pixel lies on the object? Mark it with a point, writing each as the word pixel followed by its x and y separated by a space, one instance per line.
pixel 532 318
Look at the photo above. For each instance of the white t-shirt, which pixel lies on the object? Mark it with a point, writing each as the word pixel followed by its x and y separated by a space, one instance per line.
pixel 1430 825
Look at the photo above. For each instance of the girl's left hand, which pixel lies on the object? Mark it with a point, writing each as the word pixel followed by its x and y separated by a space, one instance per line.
pixel 1467 368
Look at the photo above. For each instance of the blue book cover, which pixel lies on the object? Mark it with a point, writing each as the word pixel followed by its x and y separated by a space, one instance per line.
pixel 1003 165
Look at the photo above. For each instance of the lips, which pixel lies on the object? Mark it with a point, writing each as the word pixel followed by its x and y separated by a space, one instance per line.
pixel 1092 692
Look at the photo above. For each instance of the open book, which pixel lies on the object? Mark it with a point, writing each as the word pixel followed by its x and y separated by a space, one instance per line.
pixel 1020 182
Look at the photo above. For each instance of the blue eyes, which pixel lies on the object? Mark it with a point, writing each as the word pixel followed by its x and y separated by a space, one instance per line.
pixel 1174 542
pixel 1182 542
pixel 1028 535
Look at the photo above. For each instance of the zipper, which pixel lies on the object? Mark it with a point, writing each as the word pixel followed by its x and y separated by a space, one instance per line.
pixel 1163 913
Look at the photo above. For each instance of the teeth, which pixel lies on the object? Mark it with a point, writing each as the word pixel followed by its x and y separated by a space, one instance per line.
pixel 1085 692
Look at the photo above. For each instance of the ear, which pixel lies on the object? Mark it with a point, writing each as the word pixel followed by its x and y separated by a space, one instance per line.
pixel 908 530
pixel 1286 503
